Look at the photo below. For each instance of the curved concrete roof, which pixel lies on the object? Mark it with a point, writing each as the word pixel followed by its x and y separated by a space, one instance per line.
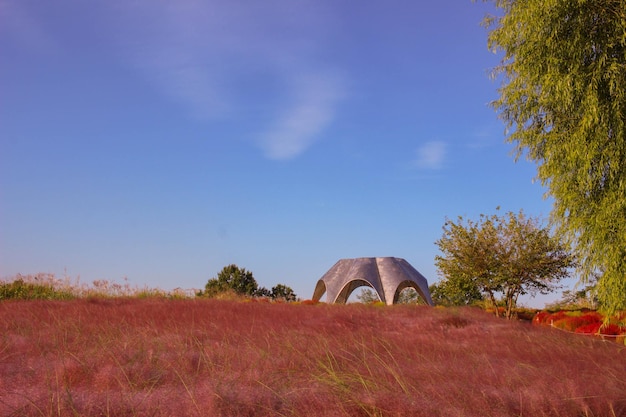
pixel 388 276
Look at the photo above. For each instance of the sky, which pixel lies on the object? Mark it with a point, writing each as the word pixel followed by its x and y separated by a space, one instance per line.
pixel 159 141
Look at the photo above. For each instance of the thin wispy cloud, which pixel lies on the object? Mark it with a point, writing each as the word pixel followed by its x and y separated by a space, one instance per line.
pixel 484 137
pixel 216 58
pixel 431 155
pixel 201 53
pixel 296 128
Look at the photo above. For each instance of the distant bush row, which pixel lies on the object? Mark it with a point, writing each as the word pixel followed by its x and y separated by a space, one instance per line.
pixel 45 286
pixel 239 282
pixel 585 321
pixel 20 289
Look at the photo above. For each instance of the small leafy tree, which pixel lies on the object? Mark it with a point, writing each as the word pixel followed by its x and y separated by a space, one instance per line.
pixel 576 299
pixel 367 296
pixel 283 292
pixel 510 255
pixel 241 282
pixel 410 295
pixel 406 296
pixel 455 292
pixel 231 278
pixel 263 292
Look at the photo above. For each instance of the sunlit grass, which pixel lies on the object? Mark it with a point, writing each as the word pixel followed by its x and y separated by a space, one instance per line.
pixel 195 357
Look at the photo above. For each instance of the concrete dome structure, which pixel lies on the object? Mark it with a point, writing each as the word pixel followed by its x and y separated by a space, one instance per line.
pixel 387 276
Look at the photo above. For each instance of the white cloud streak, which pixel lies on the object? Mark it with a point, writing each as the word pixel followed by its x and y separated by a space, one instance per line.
pixel 201 53
pixel 297 127
pixel 218 59
pixel 431 155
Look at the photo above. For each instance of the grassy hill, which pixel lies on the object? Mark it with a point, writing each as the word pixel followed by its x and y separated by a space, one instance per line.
pixel 160 357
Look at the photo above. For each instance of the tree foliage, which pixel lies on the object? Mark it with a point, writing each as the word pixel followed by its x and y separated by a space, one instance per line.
pixel 455 292
pixel 563 99
pixel 410 296
pixel 367 296
pixel 407 296
pixel 509 255
pixel 576 300
pixel 263 292
pixel 231 278
pixel 283 292
pixel 241 282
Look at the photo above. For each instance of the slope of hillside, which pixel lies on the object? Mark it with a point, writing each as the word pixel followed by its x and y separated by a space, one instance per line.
pixel 154 357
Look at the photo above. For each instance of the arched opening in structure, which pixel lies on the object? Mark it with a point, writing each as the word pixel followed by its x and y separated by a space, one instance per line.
pixel 408 292
pixel 349 288
pixel 364 295
pixel 410 296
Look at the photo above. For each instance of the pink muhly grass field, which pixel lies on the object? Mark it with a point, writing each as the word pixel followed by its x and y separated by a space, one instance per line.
pixel 158 357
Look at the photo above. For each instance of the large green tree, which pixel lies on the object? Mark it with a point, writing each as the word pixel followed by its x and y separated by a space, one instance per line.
pixel 563 99
pixel 509 255
pixel 283 292
pixel 231 279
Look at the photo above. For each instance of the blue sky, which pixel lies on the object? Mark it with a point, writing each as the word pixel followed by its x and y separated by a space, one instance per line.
pixel 161 141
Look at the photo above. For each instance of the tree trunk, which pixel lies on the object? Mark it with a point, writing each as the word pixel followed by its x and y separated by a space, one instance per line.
pixel 509 307
pixel 511 301
pixel 495 305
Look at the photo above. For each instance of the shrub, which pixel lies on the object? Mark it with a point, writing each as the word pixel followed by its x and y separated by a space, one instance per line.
pixel 598 328
pixel 584 320
pixel 559 315
pixel 526 314
pixel 591 328
pixel 574 320
pixel 611 329
pixel 564 324
pixel 21 290
pixel 45 286
pixel 541 317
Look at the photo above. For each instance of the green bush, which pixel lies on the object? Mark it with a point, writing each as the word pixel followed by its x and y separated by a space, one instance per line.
pixel 20 290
